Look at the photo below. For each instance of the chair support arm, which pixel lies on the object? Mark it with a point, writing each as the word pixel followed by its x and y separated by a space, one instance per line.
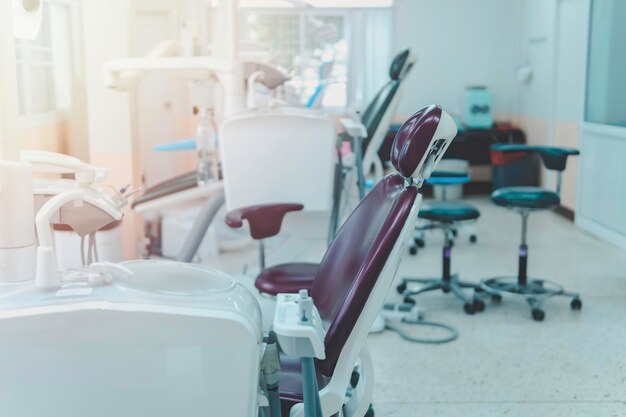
pixel 265 220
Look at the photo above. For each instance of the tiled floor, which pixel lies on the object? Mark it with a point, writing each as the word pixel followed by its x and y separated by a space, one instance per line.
pixel 504 364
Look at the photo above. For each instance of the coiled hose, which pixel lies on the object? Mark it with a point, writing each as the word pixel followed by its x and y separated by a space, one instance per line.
pixel 312 406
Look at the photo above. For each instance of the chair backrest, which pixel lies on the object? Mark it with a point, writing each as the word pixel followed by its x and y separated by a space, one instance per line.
pixel 356 258
pixel 359 266
pixel 378 115
pixel 278 155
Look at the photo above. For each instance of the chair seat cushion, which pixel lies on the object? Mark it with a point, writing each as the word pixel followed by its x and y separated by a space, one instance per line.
pixel 286 278
pixel 525 197
pixel 448 211
pixel 290 382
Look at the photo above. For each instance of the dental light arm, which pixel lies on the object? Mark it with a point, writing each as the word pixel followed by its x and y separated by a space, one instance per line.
pixel 52 162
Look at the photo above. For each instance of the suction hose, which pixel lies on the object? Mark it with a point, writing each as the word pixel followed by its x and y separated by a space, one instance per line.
pixel 270 365
pixel 312 406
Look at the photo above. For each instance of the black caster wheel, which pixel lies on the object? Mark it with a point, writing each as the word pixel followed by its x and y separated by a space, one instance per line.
pixel 496 298
pixel 478 305
pixel 576 304
pixel 413 250
pixel 401 288
pixel 370 412
pixel 473 239
pixel 445 290
pixel 455 232
pixel 538 314
pixel 419 242
pixel 409 300
pixel 469 308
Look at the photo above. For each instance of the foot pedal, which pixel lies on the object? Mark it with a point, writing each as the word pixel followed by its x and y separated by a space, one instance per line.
pixel 402 311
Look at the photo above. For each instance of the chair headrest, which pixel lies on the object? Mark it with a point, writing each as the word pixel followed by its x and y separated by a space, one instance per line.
pixel 398 64
pixel 421 142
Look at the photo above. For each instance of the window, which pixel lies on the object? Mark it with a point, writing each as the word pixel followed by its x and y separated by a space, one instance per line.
pixel 312 43
pixel 606 85
pixel 47 66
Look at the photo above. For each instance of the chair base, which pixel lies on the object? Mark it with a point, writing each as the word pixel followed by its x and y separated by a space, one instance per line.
pixel 534 291
pixel 452 285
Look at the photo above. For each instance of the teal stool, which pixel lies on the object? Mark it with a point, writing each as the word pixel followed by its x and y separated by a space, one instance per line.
pixel 443 179
pixel 526 200
pixel 445 215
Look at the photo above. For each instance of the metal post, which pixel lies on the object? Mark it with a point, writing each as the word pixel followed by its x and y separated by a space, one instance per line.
pixel 261 254
pixel 524 226
pixel 200 227
pixel 559 178
pixel 337 192
pixel 522 276
pixel 358 152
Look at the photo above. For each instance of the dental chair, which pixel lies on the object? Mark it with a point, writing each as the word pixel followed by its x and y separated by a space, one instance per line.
pixel 375 122
pixel 526 200
pixel 433 127
pixel 163 338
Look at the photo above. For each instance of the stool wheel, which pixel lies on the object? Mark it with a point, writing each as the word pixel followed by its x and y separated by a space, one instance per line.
pixel 413 250
pixel 419 242
pixel 455 232
pixel 401 288
pixel 410 301
pixel 445 290
pixel 576 304
pixel 469 308
pixel 478 305
pixel 496 298
pixel 370 412
pixel 473 238
pixel 538 314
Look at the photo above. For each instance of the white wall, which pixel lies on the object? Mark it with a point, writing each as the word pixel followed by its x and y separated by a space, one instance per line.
pixel 459 43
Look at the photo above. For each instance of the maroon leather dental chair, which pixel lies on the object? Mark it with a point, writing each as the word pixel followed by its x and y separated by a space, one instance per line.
pixel 265 220
pixel 350 284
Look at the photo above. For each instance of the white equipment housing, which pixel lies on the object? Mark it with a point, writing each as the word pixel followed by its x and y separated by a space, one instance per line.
pixel 278 155
pixel 155 342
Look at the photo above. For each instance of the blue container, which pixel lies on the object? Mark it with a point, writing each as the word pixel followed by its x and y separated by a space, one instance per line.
pixel 478 108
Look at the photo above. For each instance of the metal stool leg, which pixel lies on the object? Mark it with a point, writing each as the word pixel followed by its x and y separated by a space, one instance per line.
pixel 534 291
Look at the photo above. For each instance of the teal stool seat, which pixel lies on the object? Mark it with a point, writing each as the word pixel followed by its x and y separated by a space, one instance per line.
pixel 448 211
pixel 525 197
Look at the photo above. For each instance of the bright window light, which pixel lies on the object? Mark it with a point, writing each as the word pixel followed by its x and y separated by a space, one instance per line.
pixel 311 43
pixel 341 4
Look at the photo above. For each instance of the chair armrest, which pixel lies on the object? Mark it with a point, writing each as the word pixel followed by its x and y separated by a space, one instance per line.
pixel 265 220
pixel 553 157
